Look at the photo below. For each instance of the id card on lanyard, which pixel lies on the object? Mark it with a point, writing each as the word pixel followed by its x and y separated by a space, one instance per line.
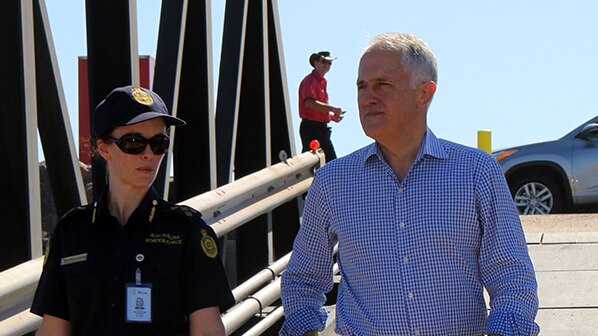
pixel 138 300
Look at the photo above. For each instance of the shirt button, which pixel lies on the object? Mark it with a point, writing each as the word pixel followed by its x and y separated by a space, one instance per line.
pixel 402 224
pixel 410 295
pixel 400 189
pixel 406 259
pixel 417 332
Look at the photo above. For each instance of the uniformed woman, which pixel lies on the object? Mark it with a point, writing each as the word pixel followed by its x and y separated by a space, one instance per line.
pixel 131 263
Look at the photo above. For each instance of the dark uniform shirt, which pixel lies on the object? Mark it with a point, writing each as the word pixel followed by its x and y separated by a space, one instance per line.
pixel 92 256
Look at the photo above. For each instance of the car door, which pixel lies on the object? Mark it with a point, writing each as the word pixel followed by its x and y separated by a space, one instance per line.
pixel 584 159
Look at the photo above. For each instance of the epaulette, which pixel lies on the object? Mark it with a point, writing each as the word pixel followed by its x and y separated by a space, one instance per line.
pixel 184 210
pixel 79 210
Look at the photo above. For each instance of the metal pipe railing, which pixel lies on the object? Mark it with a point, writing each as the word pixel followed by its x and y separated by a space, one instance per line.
pixel 266 275
pixel 250 211
pixel 237 316
pixel 20 324
pixel 17 286
pixel 277 183
pixel 266 323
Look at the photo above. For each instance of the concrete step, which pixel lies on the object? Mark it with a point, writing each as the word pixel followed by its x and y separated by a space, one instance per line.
pixel 568 289
pixel 564 257
pixel 569 322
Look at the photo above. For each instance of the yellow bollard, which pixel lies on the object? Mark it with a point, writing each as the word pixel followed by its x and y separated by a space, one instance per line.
pixel 485 140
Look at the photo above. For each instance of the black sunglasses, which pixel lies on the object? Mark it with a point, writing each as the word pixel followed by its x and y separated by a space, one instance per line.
pixel 135 143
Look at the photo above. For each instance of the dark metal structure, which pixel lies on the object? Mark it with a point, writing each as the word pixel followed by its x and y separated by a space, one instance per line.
pixel 32 100
pixel 250 130
pixel 252 122
pixel 111 59
pixel 183 78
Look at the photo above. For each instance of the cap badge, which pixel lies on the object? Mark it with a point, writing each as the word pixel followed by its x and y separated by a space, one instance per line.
pixel 208 245
pixel 142 97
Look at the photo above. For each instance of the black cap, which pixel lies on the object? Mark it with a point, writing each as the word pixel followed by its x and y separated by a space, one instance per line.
pixel 320 55
pixel 130 105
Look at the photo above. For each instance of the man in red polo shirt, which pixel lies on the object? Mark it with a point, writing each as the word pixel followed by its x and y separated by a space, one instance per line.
pixel 314 110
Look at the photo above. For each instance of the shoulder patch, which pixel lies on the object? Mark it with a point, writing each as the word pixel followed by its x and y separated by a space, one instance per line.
pixel 208 245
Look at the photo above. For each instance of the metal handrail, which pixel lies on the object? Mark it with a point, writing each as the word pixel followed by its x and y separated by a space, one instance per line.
pixel 267 322
pixel 225 209
pixel 232 205
pixel 255 303
pixel 17 286
pixel 237 316
pixel 266 275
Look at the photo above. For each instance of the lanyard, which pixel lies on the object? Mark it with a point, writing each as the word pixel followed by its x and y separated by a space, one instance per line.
pixel 139 258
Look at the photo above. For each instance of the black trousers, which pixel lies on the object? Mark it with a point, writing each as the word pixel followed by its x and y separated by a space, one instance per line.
pixel 314 130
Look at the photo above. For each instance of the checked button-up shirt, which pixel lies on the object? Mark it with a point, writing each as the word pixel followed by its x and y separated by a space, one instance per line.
pixel 415 254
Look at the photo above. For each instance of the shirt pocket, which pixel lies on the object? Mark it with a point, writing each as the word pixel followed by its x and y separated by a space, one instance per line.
pixel 161 269
pixel 77 271
pixel 160 266
pixel 79 282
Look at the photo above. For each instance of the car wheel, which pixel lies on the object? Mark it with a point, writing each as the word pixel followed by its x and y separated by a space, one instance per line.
pixel 537 195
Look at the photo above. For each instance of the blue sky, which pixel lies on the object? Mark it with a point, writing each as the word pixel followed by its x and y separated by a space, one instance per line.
pixel 526 70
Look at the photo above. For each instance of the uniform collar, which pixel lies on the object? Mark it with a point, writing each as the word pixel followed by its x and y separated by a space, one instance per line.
pixel 430 147
pixel 146 208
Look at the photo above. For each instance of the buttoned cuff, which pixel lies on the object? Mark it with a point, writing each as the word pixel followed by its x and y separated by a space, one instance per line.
pixel 508 324
pixel 286 331
pixel 299 324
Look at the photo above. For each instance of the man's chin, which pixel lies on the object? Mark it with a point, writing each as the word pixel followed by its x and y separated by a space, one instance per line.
pixel 374 131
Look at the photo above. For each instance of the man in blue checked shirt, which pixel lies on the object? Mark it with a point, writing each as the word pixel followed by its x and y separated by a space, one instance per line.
pixel 423 224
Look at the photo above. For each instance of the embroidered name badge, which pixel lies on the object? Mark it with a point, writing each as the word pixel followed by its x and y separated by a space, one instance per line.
pixel 208 245
pixel 73 259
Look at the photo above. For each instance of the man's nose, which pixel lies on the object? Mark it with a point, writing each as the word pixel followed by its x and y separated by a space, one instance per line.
pixel 367 96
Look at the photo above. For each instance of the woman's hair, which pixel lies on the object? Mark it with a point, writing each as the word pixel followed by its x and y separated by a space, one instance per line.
pixel 94 139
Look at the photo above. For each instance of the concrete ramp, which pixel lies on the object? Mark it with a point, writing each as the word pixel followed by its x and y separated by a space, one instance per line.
pixel 564 250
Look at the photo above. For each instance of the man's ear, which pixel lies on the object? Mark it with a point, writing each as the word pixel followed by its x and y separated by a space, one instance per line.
pixel 102 148
pixel 427 90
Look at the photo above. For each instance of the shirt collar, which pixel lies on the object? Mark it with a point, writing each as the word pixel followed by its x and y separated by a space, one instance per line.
pixel 430 147
pixel 317 75
pixel 145 209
